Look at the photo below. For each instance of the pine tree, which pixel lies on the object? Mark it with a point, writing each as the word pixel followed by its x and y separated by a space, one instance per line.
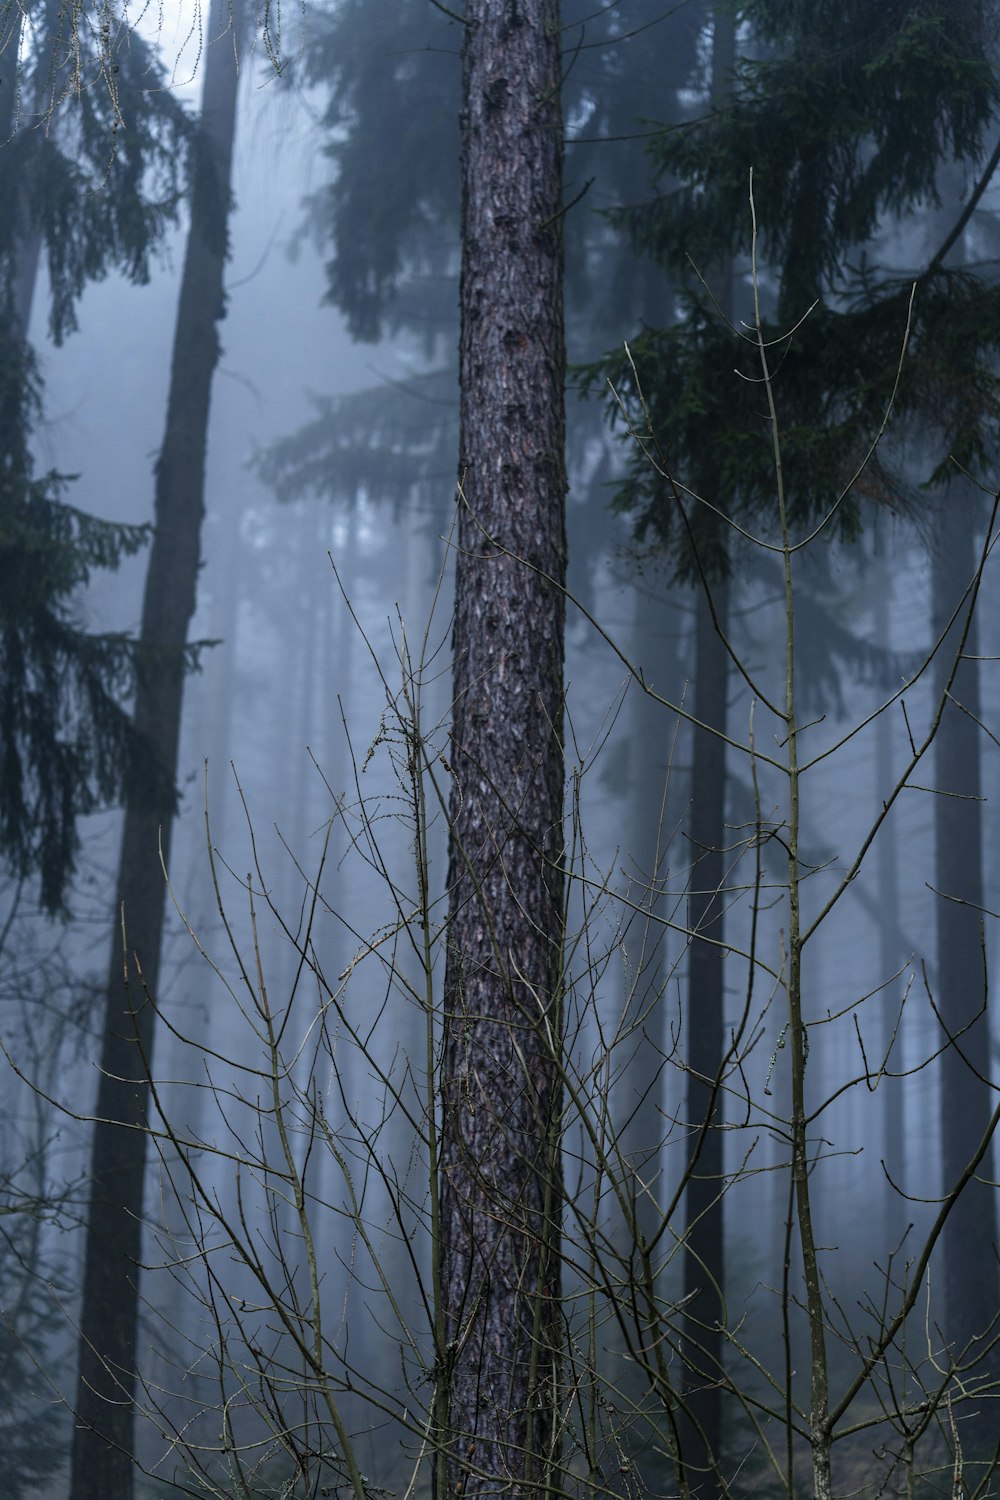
pixel 102 1459
pixel 500 1178
pixel 87 196
pixel 846 115
pixel 390 219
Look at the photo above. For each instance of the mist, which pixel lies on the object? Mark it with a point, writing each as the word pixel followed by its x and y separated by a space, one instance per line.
pixel 763 1095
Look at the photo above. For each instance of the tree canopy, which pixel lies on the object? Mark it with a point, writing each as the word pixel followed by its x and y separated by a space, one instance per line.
pixel 842 119
pixel 91 196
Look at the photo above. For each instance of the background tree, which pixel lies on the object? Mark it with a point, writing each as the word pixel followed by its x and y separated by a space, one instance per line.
pixel 607 1282
pixel 971 1271
pixel 85 196
pixel 840 157
pixel 102 1460
pixel 708 1048
pixel 395 274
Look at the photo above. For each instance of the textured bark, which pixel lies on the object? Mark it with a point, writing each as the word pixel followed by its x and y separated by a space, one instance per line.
pixel 500 1186
pixel 102 1464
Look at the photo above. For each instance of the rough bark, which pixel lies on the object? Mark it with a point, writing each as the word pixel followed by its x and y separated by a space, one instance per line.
pixel 500 1185
pixel 102 1461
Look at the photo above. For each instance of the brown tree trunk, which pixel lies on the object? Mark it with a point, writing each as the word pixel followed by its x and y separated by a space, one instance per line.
pixel 500 1180
pixel 102 1459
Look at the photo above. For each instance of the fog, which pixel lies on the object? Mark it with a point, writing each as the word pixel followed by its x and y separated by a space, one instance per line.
pixel 288 1199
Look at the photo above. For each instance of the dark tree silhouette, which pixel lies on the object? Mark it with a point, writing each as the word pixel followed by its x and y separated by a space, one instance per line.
pixel 86 197
pixel 971 1274
pixel 707 1048
pixel 840 157
pixel 102 1462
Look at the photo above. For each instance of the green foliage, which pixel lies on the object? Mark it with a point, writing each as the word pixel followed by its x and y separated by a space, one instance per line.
pixel 34 1425
pixel 836 378
pixel 92 172
pixel 846 115
pixel 96 170
pixel 34 1439
pixel 394 444
pixel 391 206
pixel 390 216
pixel 67 745
pixel 391 210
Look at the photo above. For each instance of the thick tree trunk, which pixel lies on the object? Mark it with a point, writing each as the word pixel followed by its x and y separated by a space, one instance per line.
pixel 500 1180
pixel 102 1460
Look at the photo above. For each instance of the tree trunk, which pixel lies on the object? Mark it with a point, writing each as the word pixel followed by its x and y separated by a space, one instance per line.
pixel 102 1463
pixel 891 953
pixel 11 26
pixel 645 1035
pixel 28 99
pixel 704 1264
pixel 647 857
pixel 500 1179
pixel 971 1281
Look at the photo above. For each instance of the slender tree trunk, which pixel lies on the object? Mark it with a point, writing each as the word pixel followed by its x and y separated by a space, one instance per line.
pixel 971 1280
pixel 500 1179
pixel 103 1446
pixel 640 1060
pixel 28 99
pixel 891 954
pixel 11 28
pixel 704 1264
